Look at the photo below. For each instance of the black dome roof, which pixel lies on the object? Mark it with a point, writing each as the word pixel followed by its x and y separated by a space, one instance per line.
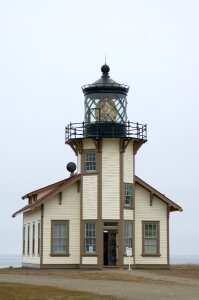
pixel 105 84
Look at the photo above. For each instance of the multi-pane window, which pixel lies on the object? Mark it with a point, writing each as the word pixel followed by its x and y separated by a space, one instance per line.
pixel 33 238
pixel 60 239
pixel 128 235
pixel 28 245
pixel 38 238
pixel 24 239
pixel 127 194
pixel 90 161
pixel 150 238
pixel 90 237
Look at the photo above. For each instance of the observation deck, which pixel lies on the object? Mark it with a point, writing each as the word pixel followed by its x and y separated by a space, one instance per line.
pixel 105 130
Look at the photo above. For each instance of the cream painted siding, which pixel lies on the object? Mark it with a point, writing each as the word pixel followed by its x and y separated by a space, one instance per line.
pixel 90 197
pixel 126 260
pixel 89 260
pixel 128 214
pixel 68 210
pixel 145 212
pixel 110 179
pixel 88 144
pixel 30 218
pixel 128 163
pixel 79 163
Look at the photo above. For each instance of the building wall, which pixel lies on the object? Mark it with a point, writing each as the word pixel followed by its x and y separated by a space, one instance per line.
pixel 89 199
pixel 145 212
pixel 30 218
pixel 68 210
pixel 79 163
pixel 127 260
pixel 110 179
pixel 88 144
pixel 128 214
pixel 92 260
pixel 128 163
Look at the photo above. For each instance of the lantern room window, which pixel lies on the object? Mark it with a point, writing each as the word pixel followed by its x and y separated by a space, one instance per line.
pixel 105 107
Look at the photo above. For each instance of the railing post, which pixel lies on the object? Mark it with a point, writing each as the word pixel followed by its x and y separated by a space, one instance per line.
pixel 145 131
pixel 138 132
pixel 83 129
pixel 128 128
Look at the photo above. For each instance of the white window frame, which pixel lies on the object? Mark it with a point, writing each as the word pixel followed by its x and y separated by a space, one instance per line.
pixel 128 193
pixel 151 238
pixel 59 237
pixel 38 238
pixel 90 237
pixel 90 161
pixel 128 235
pixel 33 238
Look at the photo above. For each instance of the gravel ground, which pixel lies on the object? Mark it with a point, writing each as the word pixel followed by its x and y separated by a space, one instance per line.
pixel 124 284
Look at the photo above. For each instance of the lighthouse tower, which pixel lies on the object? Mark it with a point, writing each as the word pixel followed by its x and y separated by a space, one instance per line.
pixel 105 144
pixel 103 215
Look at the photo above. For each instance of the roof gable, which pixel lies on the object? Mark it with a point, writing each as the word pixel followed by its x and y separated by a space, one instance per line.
pixel 45 189
pixel 172 205
pixel 57 187
pixel 53 189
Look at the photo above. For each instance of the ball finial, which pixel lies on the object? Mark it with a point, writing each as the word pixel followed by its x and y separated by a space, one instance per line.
pixel 71 167
pixel 105 69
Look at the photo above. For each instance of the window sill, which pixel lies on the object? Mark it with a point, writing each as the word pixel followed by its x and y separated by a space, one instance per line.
pixel 59 254
pixel 89 254
pixel 128 207
pixel 90 173
pixel 151 255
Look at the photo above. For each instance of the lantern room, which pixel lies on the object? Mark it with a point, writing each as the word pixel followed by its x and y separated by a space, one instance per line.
pixel 105 106
pixel 105 112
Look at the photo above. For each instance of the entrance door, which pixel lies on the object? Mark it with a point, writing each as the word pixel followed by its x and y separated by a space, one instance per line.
pixel 110 247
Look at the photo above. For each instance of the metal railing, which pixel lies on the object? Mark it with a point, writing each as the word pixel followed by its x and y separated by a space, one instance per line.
pixel 109 129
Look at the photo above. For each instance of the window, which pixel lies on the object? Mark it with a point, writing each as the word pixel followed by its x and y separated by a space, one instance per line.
pixel 90 161
pixel 128 235
pixel 38 238
pixel 151 238
pixel 128 194
pixel 33 238
pixel 90 237
pixel 28 246
pixel 24 239
pixel 60 238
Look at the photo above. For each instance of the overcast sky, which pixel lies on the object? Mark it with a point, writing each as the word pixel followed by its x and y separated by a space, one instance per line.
pixel 50 48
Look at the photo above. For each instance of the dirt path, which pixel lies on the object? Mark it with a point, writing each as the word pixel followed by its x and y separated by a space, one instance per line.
pixel 134 284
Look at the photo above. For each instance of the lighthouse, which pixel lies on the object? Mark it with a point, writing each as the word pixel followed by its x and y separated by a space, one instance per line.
pixel 105 144
pixel 102 215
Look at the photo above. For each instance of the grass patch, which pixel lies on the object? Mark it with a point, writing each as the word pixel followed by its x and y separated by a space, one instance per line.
pixel 12 291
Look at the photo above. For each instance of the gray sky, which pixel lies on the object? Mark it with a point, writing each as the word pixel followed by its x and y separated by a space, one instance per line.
pixel 50 48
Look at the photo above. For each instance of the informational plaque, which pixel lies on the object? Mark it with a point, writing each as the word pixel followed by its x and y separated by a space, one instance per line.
pixel 129 251
pixel 129 254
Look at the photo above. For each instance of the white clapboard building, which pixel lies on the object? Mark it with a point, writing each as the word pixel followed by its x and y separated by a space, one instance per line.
pixel 90 219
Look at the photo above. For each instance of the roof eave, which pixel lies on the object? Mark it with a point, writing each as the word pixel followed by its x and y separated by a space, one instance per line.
pixel 173 206
pixel 53 192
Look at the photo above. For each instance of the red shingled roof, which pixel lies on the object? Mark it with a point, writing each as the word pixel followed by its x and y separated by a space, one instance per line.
pixel 173 205
pixel 54 189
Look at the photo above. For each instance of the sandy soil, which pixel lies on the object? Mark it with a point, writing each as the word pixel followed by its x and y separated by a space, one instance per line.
pixel 180 283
